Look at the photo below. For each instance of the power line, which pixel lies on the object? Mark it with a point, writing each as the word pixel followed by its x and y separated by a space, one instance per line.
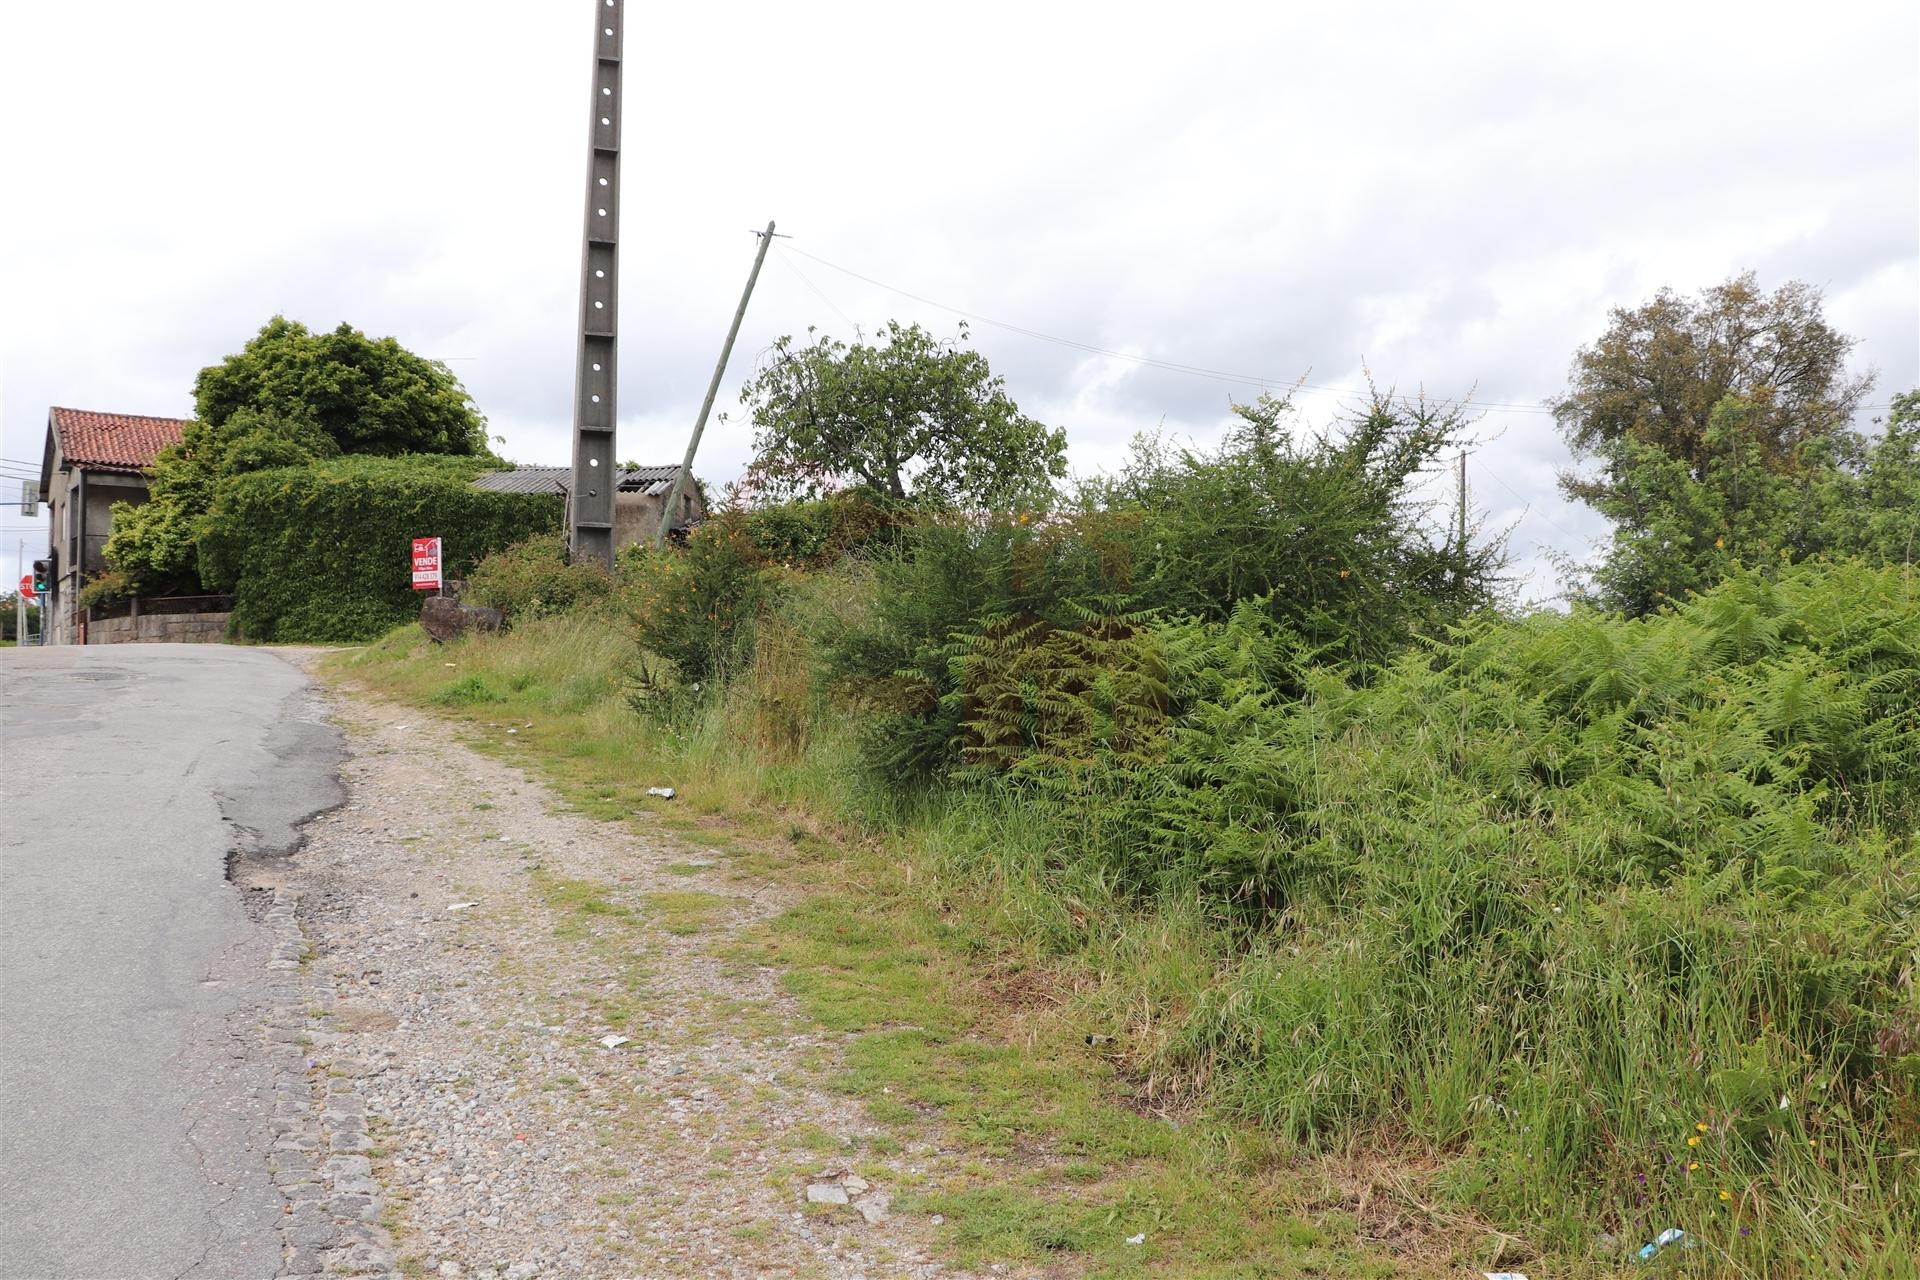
pixel 1527 505
pixel 794 267
pixel 1171 366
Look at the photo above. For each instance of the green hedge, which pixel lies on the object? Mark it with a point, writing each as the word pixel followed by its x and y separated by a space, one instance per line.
pixel 322 552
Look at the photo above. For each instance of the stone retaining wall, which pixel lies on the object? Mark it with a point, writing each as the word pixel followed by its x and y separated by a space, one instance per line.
pixel 160 628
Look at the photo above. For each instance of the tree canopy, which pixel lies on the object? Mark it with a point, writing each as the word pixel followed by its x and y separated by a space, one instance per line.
pixel 365 395
pixel 1721 426
pixel 912 418
pixel 1660 370
pixel 288 398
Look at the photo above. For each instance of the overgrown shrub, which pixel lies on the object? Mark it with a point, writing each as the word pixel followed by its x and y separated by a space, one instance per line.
pixel 950 581
pixel 107 587
pixel 695 605
pixel 534 579
pixel 1321 535
pixel 820 533
pixel 1328 529
pixel 1623 911
pixel 321 553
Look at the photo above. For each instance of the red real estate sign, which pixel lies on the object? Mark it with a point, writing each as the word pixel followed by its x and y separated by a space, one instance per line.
pixel 426 564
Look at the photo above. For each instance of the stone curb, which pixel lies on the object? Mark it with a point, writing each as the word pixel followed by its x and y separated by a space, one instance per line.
pixel 331 1224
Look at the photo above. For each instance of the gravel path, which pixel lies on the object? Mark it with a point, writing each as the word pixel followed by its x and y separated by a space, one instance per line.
pixel 470 950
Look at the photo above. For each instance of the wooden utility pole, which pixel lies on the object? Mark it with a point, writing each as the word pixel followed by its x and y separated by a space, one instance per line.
pixel 713 389
pixel 590 505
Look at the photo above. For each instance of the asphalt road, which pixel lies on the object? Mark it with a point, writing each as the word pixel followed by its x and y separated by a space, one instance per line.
pixel 133 1108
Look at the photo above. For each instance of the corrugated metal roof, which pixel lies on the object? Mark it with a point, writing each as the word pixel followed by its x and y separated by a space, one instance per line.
pixel 653 481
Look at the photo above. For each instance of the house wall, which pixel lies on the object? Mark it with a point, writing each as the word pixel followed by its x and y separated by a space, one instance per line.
pixel 75 562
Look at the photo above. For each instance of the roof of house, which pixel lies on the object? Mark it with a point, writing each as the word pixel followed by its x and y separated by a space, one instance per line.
pixel 653 481
pixel 111 441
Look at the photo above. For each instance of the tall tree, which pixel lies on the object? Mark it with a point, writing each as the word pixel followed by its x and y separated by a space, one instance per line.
pixel 1720 425
pixel 912 418
pixel 367 395
pixel 289 397
pixel 1658 372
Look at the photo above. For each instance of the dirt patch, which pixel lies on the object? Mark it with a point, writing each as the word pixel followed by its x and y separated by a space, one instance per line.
pixel 353 1017
pixel 564 1075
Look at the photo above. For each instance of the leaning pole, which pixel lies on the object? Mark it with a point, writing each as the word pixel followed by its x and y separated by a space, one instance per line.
pixel 590 506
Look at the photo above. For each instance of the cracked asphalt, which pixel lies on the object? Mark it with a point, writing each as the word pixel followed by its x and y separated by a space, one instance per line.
pixel 134 1101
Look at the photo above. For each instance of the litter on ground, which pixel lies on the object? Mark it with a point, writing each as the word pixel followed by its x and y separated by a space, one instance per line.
pixel 1672 1235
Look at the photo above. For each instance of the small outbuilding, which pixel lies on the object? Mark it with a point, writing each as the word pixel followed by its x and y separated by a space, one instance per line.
pixel 639 496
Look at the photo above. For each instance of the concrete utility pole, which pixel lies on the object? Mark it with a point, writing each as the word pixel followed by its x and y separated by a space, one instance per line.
pixel 590 508
pixel 713 389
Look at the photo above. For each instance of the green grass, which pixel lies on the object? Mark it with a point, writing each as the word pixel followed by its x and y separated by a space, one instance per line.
pixel 1532 945
pixel 1060 1159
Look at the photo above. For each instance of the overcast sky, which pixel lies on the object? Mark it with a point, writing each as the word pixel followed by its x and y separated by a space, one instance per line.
pixel 1449 195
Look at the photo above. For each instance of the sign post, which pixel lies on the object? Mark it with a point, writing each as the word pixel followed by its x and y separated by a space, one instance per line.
pixel 426 564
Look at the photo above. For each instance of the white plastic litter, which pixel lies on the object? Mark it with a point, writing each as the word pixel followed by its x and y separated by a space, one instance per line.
pixel 613 1042
pixel 665 793
pixel 1139 1239
pixel 462 906
pixel 1672 1235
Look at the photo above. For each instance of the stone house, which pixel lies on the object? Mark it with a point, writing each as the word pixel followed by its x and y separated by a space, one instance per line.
pixel 91 461
pixel 638 498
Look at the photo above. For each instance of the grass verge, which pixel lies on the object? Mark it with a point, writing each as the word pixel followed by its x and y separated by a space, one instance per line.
pixel 959 1025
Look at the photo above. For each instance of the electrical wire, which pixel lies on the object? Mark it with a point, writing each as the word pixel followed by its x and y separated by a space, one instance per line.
pixel 1170 366
pixel 819 293
pixel 1527 509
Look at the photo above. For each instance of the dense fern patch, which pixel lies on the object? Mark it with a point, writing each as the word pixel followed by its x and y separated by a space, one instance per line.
pixel 1619 913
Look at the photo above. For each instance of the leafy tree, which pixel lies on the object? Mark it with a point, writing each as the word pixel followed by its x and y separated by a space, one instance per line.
pixel 290 397
pixel 9 616
pixel 1658 372
pixel 911 418
pixel 1878 516
pixel 1720 426
pixel 366 395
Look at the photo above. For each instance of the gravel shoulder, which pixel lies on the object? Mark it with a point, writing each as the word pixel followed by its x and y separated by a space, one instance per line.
pixel 531 1053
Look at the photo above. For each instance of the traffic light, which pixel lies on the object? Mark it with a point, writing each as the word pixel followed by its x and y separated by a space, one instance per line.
pixel 42 576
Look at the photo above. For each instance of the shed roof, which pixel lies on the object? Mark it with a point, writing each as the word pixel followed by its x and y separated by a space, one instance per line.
pixel 653 481
pixel 111 441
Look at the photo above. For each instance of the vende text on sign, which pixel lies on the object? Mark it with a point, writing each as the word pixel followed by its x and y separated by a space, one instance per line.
pixel 426 564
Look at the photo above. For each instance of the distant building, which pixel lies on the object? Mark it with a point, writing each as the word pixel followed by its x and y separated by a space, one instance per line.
pixel 92 460
pixel 639 496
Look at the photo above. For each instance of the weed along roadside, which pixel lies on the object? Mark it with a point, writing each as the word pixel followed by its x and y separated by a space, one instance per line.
pixel 1531 946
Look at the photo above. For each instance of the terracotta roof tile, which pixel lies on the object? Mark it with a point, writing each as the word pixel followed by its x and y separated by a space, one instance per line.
pixel 112 441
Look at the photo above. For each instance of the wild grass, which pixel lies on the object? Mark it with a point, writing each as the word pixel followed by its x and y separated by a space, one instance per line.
pixel 1557 933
